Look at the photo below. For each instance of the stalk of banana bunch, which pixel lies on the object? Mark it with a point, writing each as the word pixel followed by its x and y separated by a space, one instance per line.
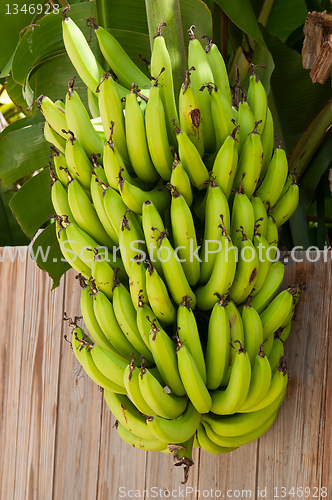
pixel 176 257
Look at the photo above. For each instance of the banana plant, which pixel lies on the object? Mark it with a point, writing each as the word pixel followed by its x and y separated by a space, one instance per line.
pixel 248 32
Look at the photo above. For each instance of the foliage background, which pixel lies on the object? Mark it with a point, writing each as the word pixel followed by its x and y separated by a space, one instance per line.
pixel 33 62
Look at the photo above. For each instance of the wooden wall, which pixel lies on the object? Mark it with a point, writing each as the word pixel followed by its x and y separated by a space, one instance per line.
pixel 57 438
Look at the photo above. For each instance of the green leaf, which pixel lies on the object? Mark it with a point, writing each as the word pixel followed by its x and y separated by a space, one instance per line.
pixel 23 149
pixel 297 100
pixel 285 17
pixel 46 39
pixel 47 254
pixel 315 170
pixel 11 26
pixel 10 231
pixel 129 15
pixel 32 203
pixel 241 13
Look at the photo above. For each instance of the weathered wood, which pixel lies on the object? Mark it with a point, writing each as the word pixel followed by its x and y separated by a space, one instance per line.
pixel 57 436
pixel 12 293
pixel 79 416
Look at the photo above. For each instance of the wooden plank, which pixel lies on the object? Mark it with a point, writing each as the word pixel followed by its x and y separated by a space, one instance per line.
pixel 121 466
pixel 79 416
pixel 163 475
pixel 38 386
pixel 12 293
pixel 290 456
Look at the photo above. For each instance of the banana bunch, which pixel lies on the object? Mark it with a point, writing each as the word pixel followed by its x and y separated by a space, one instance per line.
pixel 175 252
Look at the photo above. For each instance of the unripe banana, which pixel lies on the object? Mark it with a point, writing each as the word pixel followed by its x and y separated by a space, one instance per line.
pixel 160 59
pixel 131 381
pixel 208 445
pixel 246 122
pixel 156 133
pixel 250 163
pixel 54 138
pixel 222 275
pixel 113 163
pixel 253 331
pixel 134 197
pixel 274 180
pixel 242 216
pixel 131 243
pixel 137 280
pixel 191 160
pixel 164 354
pixel 259 214
pixel 270 287
pixel 218 345
pixel 181 181
pixel 70 256
pixel 59 197
pixel 125 314
pixel 247 271
pixel 53 114
pixel 223 116
pixel 80 54
pixel 136 139
pixel 192 380
pixel 78 121
pixel 175 431
pixel 111 366
pixel 102 273
pixel 260 380
pixel 158 296
pixel 60 164
pixel 257 100
pixel 202 75
pixel 124 68
pixel 79 165
pixel 267 142
pixel 190 114
pixel 232 398
pixel 236 332
pixel 139 442
pixel 286 205
pixel 187 331
pixel 184 236
pixel 218 67
pixel 262 248
pixel 110 107
pixel 217 220
pixel 276 353
pixel 225 164
pixel 162 403
pixel 126 413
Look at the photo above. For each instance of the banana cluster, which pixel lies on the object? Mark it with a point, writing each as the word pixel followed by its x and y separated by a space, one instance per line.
pixel 175 251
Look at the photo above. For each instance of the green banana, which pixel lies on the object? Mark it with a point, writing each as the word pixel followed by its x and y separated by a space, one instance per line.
pixel 270 287
pixel 156 133
pixel 202 75
pixel 225 163
pixel 218 345
pixel 158 296
pixel 229 401
pixel 218 67
pixel 124 68
pixel 164 355
pixel 80 53
pixel 139 442
pixel 131 381
pixel 54 138
pixel 242 216
pixel 180 179
pixel 111 111
pixel 247 270
pixel 136 139
pixel 53 114
pixel 160 58
pixel 184 236
pixel 190 114
pixel 134 197
pixel 286 205
pixel 246 122
pixel 216 208
pixel 126 413
pixel 276 353
pixel 111 366
pixel 267 142
pixel 260 380
pixel 250 163
pixel 162 403
pixel 79 165
pixel 104 313
pixel 187 331
pixel 207 445
pixel 78 121
pixel 253 331
pixel 274 180
pixel 191 160
pixel 257 100
pixel 175 431
pixel 236 332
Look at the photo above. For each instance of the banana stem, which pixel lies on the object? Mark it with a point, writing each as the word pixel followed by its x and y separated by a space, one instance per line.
pixel 310 140
pixel 265 12
pixel 158 11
